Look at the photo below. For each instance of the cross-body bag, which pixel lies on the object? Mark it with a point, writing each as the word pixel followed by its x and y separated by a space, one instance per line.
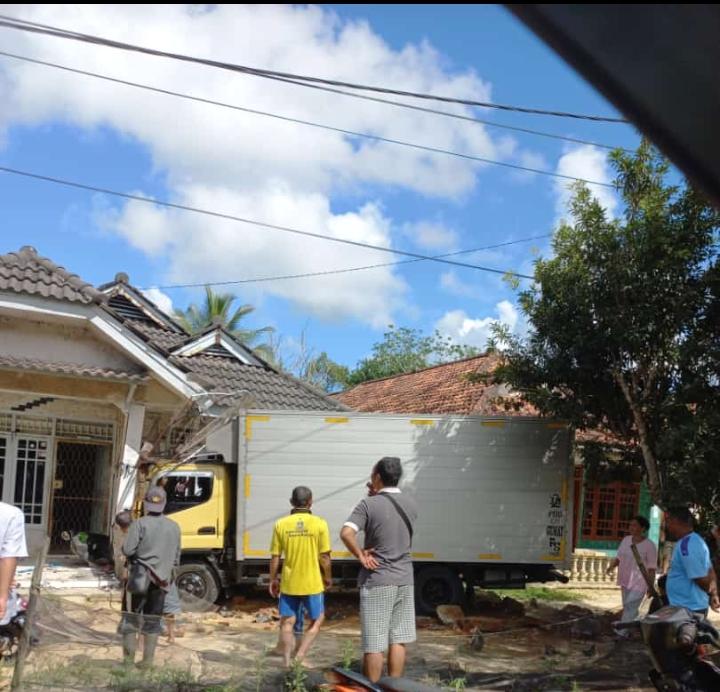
pixel 656 601
pixel 139 578
pixel 402 514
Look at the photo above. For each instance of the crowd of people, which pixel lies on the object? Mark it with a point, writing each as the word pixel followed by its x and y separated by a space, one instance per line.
pixel 147 552
pixel 689 579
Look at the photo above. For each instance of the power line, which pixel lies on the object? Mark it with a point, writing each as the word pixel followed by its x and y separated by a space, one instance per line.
pixel 35 27
pixel 347 270
pixel 447 114
pixel 377 138
pixel 253 222
pixel 300 121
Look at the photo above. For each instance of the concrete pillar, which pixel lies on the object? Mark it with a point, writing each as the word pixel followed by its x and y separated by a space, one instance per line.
pixel 131 451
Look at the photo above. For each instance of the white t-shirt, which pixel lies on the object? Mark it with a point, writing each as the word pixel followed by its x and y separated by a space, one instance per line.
pixel 12 531
pixel 629 575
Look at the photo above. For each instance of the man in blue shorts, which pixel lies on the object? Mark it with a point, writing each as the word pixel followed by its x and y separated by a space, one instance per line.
pixel 303 540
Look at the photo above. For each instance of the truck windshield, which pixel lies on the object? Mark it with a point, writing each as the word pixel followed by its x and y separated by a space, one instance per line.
pixel 185 490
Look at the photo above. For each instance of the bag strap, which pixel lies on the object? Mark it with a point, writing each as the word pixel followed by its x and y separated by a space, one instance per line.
pixel 153 575
pixel 401 512
pixel 643 569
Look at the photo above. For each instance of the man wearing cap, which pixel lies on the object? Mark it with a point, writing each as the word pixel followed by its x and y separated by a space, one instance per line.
pixel 153 541
pixel 303 539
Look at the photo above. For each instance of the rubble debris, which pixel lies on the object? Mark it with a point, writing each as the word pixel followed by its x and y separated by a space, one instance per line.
pixel 512 606
pixel 265 615
pixel 451 615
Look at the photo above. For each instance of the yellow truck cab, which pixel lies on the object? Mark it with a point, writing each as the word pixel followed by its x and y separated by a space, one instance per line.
pixel 199 500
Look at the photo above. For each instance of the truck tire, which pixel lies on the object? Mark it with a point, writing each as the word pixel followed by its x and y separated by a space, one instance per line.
pixel 197 585
pixel 436 586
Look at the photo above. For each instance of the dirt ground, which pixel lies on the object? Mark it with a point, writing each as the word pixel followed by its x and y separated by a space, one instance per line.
pixel 540 645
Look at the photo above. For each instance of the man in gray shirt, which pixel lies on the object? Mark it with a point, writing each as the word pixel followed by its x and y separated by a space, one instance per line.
pixel 387 601
pixel 152 541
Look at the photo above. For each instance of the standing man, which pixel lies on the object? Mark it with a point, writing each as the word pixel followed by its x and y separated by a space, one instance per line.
pixel 153 542
pixel 386 580
pixel 691 581
pixel 304 541
pixel 12 547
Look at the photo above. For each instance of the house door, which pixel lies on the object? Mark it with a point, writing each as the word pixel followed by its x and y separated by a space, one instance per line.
pixel 80 493
pixel 26 468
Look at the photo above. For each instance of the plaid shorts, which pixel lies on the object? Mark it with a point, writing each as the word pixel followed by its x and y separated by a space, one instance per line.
pixel 387 616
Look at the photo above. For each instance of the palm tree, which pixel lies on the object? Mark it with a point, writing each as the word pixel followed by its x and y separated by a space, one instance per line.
pixel 218 310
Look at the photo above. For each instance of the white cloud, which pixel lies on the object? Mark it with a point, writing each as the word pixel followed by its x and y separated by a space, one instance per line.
pixel 589 163
pixel 225 250
pixel 463 329
pixel 162 300
pixel 450 283
pixel 431 235
pixel 530 159
pixel 261 168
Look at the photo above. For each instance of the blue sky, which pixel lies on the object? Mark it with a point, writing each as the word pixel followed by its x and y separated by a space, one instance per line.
pixel 78 128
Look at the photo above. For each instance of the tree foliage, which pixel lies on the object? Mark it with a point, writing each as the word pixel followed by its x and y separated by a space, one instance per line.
pixel 298 358
pixel 404 349
pixel 218 309
pixel 624 327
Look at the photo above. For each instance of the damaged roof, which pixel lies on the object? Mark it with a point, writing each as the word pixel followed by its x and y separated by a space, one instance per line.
pixel 217 368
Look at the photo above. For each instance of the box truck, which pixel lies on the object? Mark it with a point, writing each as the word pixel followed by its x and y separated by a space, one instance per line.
pixel 494 496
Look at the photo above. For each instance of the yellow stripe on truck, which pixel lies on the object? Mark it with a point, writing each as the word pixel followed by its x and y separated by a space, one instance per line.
pixel 248 551
pixel 249 420
pixel 489 556
pixel 422 421
pixel 337 420
pixel 247 485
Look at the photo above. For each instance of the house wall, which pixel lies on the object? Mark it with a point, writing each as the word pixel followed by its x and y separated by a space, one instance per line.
pixel 58 343
pixel 645 508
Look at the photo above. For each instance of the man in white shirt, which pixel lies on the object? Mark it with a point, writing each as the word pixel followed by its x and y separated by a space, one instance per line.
pixel 12 547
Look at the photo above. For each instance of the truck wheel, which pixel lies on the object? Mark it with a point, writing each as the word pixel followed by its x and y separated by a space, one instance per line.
pixel 197 586
pixel 436 586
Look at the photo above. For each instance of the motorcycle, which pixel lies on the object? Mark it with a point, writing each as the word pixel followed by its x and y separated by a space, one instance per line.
pixel 12 625
pixel 676 639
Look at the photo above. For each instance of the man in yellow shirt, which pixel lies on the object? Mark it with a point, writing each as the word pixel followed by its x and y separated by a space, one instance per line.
pixel 304 541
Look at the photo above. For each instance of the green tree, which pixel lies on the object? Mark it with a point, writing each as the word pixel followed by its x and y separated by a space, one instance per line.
pixel 298 358
pixel 218 309
pixel 623 324
pixel 325 373
pixel 404 349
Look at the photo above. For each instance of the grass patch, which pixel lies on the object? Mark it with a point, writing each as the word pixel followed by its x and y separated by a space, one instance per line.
pixel 539 593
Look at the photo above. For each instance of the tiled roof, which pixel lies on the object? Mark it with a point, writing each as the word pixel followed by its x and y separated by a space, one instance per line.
pixel 164 339
pixel 26 272
pixel 268 389
pixel 70 369
pixel 447 388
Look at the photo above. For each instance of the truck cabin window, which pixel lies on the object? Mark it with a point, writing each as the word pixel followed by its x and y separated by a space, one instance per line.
pixel 186 490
